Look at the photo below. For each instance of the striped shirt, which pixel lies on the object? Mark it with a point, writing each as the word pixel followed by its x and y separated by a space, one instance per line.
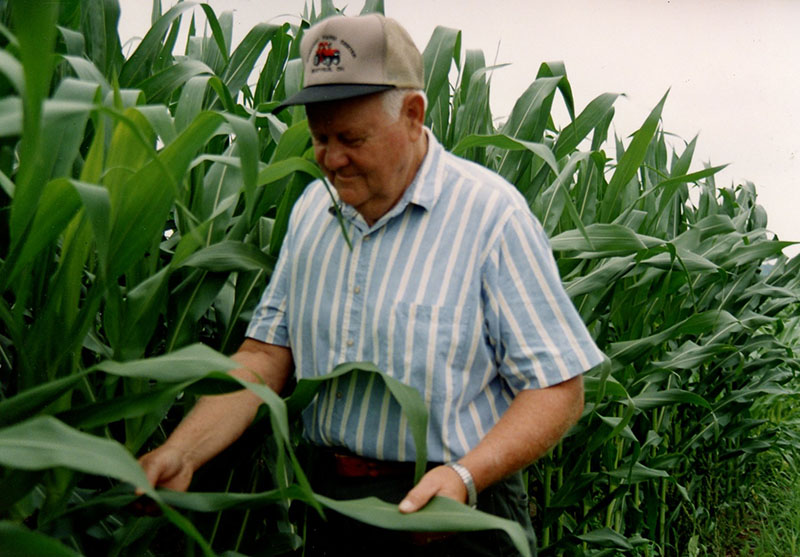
pixel 454 291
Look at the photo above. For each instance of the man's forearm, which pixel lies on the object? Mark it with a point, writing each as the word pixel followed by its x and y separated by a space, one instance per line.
pixel 534 423
pixel 217 421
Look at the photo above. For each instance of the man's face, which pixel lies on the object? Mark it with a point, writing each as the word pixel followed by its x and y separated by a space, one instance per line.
pixel 366 156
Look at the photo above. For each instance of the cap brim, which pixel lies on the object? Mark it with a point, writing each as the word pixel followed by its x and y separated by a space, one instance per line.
pixel 332 92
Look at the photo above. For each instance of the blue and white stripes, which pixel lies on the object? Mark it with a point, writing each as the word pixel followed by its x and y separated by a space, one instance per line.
pixel 454 292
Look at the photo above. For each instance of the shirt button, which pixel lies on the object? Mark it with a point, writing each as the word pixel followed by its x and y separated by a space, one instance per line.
pixel 357 290
pixel 350 342
pixel 339 395
pixel 366 238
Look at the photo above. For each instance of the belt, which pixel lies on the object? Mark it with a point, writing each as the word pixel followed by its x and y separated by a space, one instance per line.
pixel 354 466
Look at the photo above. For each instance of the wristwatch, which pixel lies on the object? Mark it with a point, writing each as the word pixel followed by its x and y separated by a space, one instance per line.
pixel 466 477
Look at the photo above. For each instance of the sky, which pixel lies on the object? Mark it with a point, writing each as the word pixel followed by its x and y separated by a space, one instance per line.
pixel 731 68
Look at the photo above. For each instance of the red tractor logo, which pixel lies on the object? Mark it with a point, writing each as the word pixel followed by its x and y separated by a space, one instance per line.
pixel 326 55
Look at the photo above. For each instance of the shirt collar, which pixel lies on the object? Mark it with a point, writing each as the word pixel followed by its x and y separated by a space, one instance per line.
pixel 422 191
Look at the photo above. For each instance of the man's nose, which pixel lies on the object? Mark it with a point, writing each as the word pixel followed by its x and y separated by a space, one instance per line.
pixel 335 156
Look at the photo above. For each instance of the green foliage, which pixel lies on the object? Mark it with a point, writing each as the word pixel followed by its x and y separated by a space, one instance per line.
pixel 143 201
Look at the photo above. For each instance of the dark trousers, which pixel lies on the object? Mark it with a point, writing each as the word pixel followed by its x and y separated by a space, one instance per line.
pixel 340 535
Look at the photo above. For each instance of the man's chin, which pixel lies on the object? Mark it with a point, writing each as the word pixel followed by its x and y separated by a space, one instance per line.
pixel 345 181
pixel 348 189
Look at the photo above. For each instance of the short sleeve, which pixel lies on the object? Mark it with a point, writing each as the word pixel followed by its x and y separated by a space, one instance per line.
pixel 537 334
pixel 269 321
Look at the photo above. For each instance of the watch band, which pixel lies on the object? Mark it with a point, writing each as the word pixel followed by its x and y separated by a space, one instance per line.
pixel 466 477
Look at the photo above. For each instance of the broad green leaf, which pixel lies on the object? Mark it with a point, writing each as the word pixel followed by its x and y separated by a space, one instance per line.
pixel 191 362
pixel 18 541
pixel 294 142
pixel 216 31
pixel 714 225
pixel 97 204
pixel 683 260
pixel 139 315
pixel 138 219
pixel 58 204
pixel 190 102
pixel 601 278
pixel 65 135
pixel 630 350
pixel 690 355
pixel 630 162
pixel 440 515
pixel 669 186
pixel 575 132
pixel 281 169
pixel 189 301
pixel 139 65
pixel 99 20
pixel 619 426
pixel 527 121
pixel 196 362
pixel 248 151
pixel 552 202
pixel 160 121
pixel 33 400
pixel 607 537
pixel 270 76
pixel 36 32
pixel 230 256
pixel 638 473
pixel 101 413
pixel 210 502
pixel 505 142
pixel 612 239
pixel 10 116
pixel 244 58
pixel 159 88
pixel 88 72
pixel 407 397
pixel 44 442
pixel 746 254
pixel 214 205
pixel 657 399
pixel 596 387
pixel 437 58
pixel 556 68
pixel 12 69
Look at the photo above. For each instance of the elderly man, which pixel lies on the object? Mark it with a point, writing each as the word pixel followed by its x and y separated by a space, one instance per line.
pixel 449 287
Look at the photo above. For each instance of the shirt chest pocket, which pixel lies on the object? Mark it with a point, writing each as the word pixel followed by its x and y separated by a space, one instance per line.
pixel 431 346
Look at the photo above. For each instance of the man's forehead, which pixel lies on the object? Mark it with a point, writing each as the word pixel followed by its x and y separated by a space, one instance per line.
pixel 351 111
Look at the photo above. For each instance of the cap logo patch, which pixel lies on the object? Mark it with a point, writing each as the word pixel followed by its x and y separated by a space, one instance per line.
pixel 326 56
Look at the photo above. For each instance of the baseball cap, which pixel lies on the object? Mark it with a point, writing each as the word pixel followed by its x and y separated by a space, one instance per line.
pixel 345 57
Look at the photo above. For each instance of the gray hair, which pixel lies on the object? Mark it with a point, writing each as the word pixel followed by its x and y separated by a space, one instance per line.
pixel 393 100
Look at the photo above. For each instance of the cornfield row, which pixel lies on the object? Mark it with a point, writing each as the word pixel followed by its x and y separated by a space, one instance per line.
pixel 144 201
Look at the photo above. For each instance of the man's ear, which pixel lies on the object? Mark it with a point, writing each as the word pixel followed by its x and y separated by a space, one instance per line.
pixel 414 114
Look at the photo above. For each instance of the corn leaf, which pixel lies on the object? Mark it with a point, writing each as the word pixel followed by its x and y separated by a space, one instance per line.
pixel 440 515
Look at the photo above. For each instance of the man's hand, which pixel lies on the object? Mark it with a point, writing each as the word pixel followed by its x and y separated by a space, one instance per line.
pixel 441 480
pixel 217 421
pixel 168 467
pixel 164 467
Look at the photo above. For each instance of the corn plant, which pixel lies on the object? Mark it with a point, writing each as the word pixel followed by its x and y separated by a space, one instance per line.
pixel 144 200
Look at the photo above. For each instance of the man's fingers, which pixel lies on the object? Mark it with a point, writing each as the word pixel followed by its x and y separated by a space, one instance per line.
pixel 442 481
pixel 166 468
pixel 418 497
